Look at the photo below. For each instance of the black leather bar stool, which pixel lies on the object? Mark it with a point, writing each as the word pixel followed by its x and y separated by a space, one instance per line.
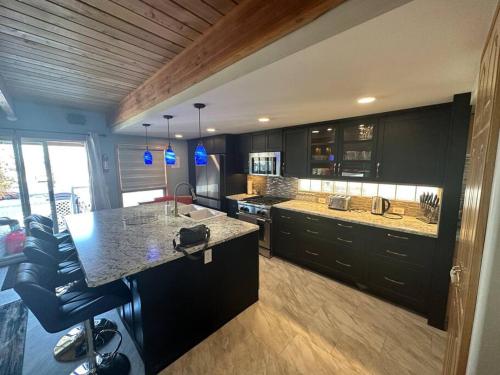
pixel 44 233
pixel 47 254
pixel 63 236
pixel 35 285
pixel 68 276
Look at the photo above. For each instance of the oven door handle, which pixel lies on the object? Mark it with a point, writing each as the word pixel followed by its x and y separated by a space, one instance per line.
pixel 247 217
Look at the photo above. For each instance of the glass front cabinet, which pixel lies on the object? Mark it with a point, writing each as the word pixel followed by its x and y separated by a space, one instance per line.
pixel 344 149
pixel 324 151
pixel 358 149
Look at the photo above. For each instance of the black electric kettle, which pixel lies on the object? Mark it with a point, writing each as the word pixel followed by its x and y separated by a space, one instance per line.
pixel 380 205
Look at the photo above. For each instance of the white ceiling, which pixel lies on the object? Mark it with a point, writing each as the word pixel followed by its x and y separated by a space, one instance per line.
pixel 420 53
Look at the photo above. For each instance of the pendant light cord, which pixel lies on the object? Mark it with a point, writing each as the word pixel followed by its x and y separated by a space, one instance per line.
pixel 168 131
pixel 147 143
pixel 199 124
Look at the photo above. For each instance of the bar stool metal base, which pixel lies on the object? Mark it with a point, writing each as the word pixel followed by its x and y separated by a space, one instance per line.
pixel 120 364
pixel 73 346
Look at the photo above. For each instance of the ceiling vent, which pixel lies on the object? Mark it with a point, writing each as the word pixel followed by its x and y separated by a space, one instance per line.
pixel 76 119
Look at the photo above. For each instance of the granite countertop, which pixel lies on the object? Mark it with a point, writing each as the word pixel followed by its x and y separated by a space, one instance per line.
pixel 121 242
pixel 407 224
pixel 239 197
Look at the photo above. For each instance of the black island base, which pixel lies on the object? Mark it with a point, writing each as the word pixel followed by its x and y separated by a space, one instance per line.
pixel 178 304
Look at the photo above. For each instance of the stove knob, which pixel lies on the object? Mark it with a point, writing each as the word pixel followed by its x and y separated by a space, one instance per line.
pixel 261 213
pixel 244 209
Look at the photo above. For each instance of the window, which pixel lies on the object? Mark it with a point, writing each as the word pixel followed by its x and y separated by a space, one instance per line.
pixel 136 197
pixel 135 175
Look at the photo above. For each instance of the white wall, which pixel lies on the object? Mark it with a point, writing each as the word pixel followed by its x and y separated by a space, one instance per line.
pixel 49 121
pixel 484 352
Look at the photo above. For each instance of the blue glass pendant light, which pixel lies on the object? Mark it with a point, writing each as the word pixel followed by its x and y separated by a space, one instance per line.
pixel 148 156
pixel 169 152
pixel 200 154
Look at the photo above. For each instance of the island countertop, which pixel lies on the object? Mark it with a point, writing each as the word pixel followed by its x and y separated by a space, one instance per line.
pixel 407 224
pixel 121 242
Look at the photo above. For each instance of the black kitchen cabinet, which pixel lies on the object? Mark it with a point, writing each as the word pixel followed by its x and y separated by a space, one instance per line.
pixel 245 147
pixel 274 140
pixel 178 304
pixel 232 208
pixel 324 150
pixel 358 145
pixel 296 160
pixel 392 264
pixel 215 144
pixel 267 141
pixel 412 146
pixel 259 142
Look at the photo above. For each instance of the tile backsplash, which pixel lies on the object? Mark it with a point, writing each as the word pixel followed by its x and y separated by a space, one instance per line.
pixel 361 193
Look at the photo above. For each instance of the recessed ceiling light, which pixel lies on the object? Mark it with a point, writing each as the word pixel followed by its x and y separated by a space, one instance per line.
pixel 315 131
pixel 329 129
pixel 263 119
pixel 366 100
pixel 210 130
pixel 178 136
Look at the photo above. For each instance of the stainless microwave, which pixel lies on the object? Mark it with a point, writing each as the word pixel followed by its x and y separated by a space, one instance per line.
pixel 265 163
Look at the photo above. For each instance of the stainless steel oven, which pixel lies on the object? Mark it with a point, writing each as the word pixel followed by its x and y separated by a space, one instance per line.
pixel 257 210
pixel 265 163
pixel 264 229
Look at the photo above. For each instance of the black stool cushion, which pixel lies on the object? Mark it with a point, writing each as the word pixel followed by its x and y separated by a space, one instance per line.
pixel 35 285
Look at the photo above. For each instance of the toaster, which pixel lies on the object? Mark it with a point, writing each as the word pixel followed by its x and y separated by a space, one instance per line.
pixel 339 202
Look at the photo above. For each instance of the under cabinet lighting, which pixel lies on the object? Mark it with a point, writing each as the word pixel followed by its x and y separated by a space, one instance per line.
pixel 263 119
pixel 178 136
pixel 315 131
pixel 210 130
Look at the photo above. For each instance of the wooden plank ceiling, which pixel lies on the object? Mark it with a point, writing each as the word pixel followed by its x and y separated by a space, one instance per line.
pixel 92 53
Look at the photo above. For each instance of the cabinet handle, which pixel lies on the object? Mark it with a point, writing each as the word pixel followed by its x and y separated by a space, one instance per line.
pixel 400 283
pixel 287 233
pixel 312 253
pixel 311 218
pixel 396 253
pixel 398 237
pixel 378 170
pixel 285 217
pixel 334 168
pixel 339 166
pixel 341 239
pixel 311 231
pixel 344 226
pixel 343 264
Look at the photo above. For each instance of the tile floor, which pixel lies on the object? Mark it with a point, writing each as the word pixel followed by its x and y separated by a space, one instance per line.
pixel 308 324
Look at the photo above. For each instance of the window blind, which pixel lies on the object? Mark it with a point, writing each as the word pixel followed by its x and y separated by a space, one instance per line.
pixel 135 175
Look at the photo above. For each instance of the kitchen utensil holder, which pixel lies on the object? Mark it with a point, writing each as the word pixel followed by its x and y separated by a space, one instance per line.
pixel 431 215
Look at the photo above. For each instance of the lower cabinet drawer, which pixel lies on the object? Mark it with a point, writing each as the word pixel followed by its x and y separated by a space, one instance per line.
pixel 401 284
pixel 285 244
pixel 345 260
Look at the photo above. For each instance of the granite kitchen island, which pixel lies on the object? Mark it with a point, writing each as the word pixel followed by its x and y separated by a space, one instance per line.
pixel 177 301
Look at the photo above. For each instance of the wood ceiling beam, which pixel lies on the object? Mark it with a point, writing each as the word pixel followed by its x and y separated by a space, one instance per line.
pixel 6 103
pixel 247 28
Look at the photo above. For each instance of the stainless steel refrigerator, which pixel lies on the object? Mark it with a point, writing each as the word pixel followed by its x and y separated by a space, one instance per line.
pixel 209 182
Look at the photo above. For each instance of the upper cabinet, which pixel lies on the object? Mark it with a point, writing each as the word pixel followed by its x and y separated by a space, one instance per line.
pixel 324 151
pixel 406 147
pixel 295 158
pixel 412 147
pixel 274 141
pixel 358 148
pixel 267 141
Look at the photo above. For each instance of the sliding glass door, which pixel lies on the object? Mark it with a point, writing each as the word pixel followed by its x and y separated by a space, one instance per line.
pixel 40 176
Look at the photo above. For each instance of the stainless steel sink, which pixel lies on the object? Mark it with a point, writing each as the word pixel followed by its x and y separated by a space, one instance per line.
pixel 199 213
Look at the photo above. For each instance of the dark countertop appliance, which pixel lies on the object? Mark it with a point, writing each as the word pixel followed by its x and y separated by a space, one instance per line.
pixel 257 210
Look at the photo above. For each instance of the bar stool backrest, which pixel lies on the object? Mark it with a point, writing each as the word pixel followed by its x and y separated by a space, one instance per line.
pixel 35 284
